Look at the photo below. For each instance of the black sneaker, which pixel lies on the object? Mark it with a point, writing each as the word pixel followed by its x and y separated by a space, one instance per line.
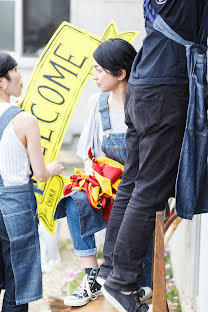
pixel 124 303
pixel 88 290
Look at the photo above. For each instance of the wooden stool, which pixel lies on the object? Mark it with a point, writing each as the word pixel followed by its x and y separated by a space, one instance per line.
pixel 99 305
pixel 159 301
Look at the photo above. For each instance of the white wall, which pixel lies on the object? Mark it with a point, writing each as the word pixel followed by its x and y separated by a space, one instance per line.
pixel 201 304
pixel 94 16
pixel 189 251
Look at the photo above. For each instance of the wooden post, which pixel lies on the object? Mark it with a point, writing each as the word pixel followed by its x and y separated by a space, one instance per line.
pixel 159 301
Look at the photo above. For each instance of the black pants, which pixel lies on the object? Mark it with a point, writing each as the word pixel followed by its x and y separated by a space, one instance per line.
pixel 156 117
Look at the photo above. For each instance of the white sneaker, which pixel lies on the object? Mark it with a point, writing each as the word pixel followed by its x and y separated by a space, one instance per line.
pixel 88 290
pixel 147 293
pixel 100 280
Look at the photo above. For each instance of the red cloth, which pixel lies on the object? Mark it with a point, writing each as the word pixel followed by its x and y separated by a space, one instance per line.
pixel 88 183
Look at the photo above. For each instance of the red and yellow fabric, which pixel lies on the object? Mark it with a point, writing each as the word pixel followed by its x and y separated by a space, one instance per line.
pixel 100 188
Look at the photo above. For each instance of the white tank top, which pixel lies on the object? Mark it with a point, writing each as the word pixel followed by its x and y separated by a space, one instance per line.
pixel 14 160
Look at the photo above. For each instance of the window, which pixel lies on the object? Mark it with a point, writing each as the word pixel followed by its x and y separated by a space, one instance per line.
pixel 7 20
pixel 28 24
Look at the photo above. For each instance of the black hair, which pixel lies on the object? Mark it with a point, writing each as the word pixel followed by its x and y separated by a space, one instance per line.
pixel 7 62
pixel 115 54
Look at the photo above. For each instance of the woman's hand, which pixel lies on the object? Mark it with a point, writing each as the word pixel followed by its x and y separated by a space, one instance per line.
pixel 88 167
pixel 55 168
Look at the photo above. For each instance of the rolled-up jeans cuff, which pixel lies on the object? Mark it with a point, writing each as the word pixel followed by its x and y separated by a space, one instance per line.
pixel 85 253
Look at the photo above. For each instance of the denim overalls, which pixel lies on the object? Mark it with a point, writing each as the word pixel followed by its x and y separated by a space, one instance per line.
pixel 192 178
pixel 19 241
pixel 113 144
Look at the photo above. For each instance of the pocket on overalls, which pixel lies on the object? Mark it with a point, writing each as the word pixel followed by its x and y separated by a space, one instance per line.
pixel 19 214
pixel 146 114
pixel 119 154
pixel 114 147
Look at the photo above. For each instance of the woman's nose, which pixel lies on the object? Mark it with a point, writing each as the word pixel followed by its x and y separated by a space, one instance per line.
pixel 94 77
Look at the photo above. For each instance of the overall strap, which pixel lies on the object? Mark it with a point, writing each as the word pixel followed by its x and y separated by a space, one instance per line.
pixel 104 110
pixel 203 33
pixel 160 25
pixel 149 11
pixel 7 116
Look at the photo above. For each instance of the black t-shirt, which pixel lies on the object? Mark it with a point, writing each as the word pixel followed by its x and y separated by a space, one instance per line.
pixel 161 60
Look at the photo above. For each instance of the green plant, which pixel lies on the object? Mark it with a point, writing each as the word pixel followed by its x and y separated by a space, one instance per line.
pixel 171 290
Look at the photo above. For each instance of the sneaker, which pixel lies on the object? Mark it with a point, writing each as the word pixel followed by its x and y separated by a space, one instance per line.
pixel 145 293
pixel 122 302
pixel 88 290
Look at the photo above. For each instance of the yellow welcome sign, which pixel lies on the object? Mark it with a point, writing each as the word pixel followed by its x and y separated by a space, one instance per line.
pixel 54 89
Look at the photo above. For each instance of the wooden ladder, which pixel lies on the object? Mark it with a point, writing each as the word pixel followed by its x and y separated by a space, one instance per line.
pixel 159 301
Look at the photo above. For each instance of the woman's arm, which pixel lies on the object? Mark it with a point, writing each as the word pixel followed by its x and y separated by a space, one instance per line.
pixel 27 129
pixel 86 137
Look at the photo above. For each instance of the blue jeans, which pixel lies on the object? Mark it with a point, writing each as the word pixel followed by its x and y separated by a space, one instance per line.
pixel 6 271
pixel 85 246
pixel 82 246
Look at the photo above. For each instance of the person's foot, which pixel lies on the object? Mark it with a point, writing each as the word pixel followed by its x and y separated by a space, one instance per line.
pixel 88 290
pixel 145 293
pixel 123 302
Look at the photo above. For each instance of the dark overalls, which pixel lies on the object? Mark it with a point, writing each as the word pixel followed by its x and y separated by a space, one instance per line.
pixel 20 267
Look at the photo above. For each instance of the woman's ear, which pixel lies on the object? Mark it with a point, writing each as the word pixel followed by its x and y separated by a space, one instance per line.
pixel 2 83
pixel 122 74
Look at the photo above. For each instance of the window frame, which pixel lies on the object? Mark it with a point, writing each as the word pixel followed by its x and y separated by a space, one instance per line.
pixel 23 61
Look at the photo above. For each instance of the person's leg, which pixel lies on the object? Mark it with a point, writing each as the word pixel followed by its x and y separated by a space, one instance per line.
pixel 123 195
pixel 159 116
pixel 145 278
pixel 9 304
pixel 125 189
pixel 85 248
